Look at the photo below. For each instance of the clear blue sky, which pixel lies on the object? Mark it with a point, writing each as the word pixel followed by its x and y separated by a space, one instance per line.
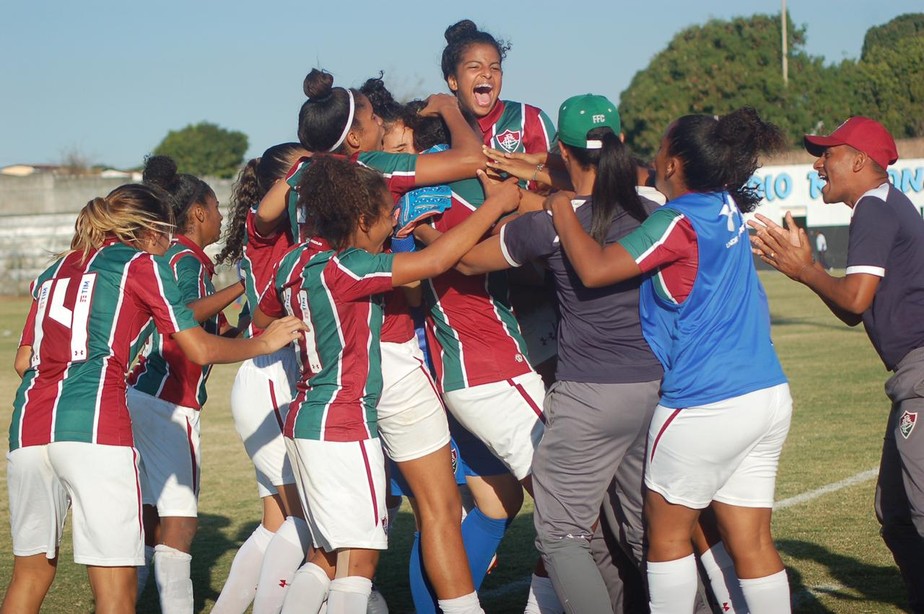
pixel 110 79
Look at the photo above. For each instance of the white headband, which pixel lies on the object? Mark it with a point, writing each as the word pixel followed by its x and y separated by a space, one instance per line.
pixel 349 123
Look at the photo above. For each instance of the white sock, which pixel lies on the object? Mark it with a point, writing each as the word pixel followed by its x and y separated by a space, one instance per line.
pixel 171 571
pixel 466 604
pixel 145 570
pixel 284 554
pixel 722 578
pixel 767 595
pixel 349 595
pixel 377 603
pixel 542 597
pixel 672 586
pixel 308 592
pixel 241 585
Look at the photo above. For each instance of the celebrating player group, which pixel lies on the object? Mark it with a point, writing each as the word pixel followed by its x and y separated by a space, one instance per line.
pixel 449 300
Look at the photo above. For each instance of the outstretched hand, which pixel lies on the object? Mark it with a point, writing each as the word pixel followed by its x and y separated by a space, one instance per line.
pixel 507 192
pixel 787 249
pixel 282 332
pixel 522 165
pixel 437 103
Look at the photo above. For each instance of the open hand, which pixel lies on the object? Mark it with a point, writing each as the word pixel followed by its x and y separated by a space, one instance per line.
pixel 787 249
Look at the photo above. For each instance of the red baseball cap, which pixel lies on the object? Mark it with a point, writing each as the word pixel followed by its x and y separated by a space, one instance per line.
pixel 862 133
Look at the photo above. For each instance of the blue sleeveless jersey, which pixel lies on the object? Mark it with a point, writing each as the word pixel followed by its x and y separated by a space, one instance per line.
pixel 716 344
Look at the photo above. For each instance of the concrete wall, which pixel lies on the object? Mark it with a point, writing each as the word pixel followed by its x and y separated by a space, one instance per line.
pixel 37 216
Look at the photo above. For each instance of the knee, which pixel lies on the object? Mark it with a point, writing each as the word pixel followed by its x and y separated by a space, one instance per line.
pixel 178 532
pixel 574 544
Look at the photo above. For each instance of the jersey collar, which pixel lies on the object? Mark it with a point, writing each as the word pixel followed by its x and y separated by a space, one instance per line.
pixel 486 122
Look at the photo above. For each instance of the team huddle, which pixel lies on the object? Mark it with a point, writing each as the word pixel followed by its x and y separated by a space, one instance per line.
pixel 445 296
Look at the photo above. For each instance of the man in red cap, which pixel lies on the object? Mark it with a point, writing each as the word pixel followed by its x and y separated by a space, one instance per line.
pixel 884 288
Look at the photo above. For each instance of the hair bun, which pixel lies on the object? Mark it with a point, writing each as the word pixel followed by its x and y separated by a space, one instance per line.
pixel 159 170
pixel 460 30
pixel 318 84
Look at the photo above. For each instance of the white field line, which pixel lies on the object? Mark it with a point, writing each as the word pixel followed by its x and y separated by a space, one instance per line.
pixel 863 476
pixel 827 489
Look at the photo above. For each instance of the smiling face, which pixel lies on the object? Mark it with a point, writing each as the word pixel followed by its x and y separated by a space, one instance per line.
pixel 478 79
pixel 836 167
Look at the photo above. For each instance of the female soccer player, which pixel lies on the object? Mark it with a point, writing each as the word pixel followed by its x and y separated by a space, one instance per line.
pixel 70 437
pixel 167 391
pixel 412 418
pixel 472 65
pixel 725 406
pixel 334 282
pixel 263 388
pixel 481 366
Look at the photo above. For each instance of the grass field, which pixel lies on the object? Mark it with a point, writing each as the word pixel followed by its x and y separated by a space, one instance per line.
pixel 830 544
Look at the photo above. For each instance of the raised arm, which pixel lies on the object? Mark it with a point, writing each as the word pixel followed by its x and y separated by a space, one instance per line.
pixel 449 247
pixel 204 349
pixel 207 306
pixel 485 257
pixel 271 211
pixel 596 265
pixel 544 167
pixel 463 158
pixel 788 250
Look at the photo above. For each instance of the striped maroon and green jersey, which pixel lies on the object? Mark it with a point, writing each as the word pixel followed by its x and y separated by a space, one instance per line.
pixel 474 337
pixel 666 237
pixel 400 172
pixel 164 371
pixel 87 322
pixel 259 261
pixel 516 127
pixel 338 295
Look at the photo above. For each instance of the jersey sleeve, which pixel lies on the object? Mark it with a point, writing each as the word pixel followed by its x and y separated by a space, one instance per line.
pixel 666 236
pixel 357 274
pixel 539 131
pixel 190 277
pixel 28 329
pixel 399 169
pixel 872 236
pixel 270 303
pixel 293 178
pixel 529 236
pixel 157 290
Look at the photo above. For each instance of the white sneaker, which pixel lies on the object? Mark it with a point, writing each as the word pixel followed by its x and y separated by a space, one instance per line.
pixel 377 603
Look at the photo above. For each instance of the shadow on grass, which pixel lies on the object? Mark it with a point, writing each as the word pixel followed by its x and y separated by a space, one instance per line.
pixel 209 545
pixel 814 321
pixel 854 582
pixel 504 590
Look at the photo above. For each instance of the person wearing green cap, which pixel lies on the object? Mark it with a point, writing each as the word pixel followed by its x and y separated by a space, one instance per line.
pixel 607 377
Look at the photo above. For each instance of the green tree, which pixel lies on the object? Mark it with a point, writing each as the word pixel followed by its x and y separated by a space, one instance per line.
pixel 205 149
pixel 889 75
pixel 722 65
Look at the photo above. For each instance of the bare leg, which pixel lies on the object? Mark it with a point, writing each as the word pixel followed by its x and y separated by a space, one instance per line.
pixel 32 577
pixel 438 506
pixel 113 588
pixel 746 533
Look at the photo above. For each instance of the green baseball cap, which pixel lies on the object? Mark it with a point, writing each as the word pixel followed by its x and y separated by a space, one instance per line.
pixel 580 114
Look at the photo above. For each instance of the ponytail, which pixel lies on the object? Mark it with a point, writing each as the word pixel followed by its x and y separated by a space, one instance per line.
pixel 126 213
pixel 614 187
